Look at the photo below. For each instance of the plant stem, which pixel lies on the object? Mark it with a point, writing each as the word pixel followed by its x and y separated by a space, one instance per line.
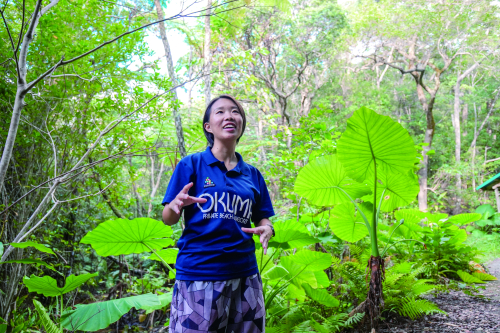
pixel 373 234
pixel 60 318
pixel 161 259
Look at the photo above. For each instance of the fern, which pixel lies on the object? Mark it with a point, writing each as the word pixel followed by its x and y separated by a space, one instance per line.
pixel 421 287
pixel 354 320
pixel 303 327
pixel 410 307
pixel 49 325
pixel 391 279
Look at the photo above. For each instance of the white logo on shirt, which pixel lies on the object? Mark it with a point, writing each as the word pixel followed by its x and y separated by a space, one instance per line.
pixel 230 207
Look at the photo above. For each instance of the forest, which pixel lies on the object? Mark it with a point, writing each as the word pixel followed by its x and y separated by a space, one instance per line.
pixel 375 124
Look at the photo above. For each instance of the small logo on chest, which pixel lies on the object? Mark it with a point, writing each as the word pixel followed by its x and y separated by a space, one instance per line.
pixel 209 183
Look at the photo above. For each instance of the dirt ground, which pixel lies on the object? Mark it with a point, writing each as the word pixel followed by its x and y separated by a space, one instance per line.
pixel 465 314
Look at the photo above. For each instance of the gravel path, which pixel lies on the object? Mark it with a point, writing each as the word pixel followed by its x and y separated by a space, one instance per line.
pixel 465 314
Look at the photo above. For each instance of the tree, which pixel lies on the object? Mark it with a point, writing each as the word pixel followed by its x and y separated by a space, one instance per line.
pixel 403 44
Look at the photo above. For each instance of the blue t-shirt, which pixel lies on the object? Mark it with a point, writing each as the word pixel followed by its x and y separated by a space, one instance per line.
pixel 212 246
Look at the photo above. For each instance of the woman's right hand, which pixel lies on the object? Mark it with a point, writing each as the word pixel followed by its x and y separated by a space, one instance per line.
pixel 184 199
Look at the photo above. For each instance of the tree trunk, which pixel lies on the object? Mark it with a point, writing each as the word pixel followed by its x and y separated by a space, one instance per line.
pixel 173 78
pixel 456 126
pixel 429 135
pixel 375 299
pixel 207 54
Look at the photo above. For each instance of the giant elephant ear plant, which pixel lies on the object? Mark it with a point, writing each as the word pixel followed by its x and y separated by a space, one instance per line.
pixel 374 159
pixel 114 237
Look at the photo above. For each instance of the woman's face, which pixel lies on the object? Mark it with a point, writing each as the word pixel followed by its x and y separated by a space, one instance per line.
pixel 225 121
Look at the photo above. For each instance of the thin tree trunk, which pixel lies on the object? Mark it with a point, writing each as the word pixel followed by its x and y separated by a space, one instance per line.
pixel 20 93
pixel 154 184
pixel 173 78
pixel 207 54
pixel 458 134
pixel 429 135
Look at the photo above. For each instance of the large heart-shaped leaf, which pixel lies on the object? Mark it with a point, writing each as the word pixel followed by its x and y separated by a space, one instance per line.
pixel 48 286
pixel 371 139
pixel 164 299
pixel 463 219
pixel 486 211
pixel 304 265
pixel 275 273
pixel 168 255
pixel 299 273
pixel 312 260
pixel 323 182
pixel 347 224
pixel 459 236
pixel 484 276
pixel 122 236
pixel 409 215
pixel 398 190
pixel 467 278
pixel 291 234
pixel 39 247
pixel 322 279
pixel 436 217
pixel 95 316
pixel 321 296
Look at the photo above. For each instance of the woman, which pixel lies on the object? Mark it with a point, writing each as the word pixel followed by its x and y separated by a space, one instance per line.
pixel 218 287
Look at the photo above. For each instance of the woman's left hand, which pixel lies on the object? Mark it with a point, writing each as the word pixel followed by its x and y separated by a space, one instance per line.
pixel 265 233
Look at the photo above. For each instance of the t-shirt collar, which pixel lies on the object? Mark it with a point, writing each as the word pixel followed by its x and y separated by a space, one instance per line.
pixel 210 159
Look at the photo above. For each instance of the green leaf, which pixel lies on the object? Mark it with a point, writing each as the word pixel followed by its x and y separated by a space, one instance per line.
pixel 496 219
pixel 169 255
pixel 323 180
pixel 409 215
pixel 458 237
pixel 467 278
pixel 48 286
pixel 47 323
pixel 30 261
pixel 347 224
pixel 400 190
pixel 312 260
pixel 165 300
pixel 322 279
pixel 484 276
pixel 96 316
pixel 486 211
pixel 436 217
pixel 121 236
pixel 371 138
pixel 39 247
pixel 463 219
pixel 275 273
pixel 482 223
pixel 1 251
pixel 321 296
pixel 290 234
pixel 299 273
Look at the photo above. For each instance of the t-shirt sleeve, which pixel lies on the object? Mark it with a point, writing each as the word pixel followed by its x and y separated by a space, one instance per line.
pixel 182 176
pixel 264 207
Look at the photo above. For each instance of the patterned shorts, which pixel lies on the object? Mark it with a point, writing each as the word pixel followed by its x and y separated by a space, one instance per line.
pixel 232 306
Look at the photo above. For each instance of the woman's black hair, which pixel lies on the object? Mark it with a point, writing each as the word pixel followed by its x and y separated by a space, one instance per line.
pixel 208 111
